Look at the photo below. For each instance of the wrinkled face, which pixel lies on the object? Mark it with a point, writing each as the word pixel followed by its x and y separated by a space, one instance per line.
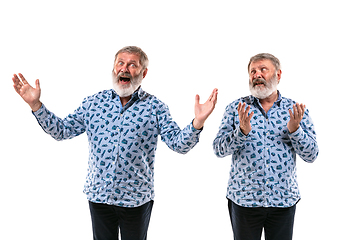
pixel 263 78
pixel 127 74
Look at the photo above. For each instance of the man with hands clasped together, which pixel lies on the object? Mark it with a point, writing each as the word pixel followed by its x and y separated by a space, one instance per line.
pixel 122 125
pixel 263 132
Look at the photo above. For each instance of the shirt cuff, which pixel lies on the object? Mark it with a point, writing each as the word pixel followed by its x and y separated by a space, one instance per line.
pixel 242 137
pixel 42 113
pixel 297 135
pixel 193 129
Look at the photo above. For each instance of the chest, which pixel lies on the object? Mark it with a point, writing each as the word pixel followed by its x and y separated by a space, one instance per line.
pixel 271 125
pixel 109 121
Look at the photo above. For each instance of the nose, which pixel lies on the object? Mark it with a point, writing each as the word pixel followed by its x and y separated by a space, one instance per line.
pixel 258 74
pixel 124 68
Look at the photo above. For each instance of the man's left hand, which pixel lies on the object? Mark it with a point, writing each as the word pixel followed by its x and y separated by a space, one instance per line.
pixel 296 117
pixel 203 111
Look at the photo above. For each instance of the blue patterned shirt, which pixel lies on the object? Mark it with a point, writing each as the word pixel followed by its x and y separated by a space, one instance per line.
pixel 263 169
pixel 122 143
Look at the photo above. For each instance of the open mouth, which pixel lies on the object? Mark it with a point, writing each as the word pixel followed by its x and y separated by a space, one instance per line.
pixel 124 79
pixel 259 82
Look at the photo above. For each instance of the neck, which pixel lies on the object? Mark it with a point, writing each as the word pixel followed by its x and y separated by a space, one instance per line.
pixel 269 101
pixel 125 100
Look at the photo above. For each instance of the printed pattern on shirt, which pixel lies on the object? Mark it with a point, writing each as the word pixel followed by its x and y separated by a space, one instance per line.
pixel 263 170
pixel 122 143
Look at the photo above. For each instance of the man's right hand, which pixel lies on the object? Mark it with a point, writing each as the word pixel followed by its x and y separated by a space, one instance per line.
pixel 30 95
pixel 245 117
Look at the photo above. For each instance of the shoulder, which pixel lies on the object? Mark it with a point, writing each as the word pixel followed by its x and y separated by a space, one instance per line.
pixel 287 102
pixel 234 104
pixel 104 95
pixel 152 100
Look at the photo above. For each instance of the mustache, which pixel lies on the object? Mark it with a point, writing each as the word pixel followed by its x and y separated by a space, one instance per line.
pixel 258 81
pixel 124 75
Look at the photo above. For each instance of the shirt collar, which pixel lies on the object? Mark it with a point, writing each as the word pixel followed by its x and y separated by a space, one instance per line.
pixel 277 102
pixel 137 94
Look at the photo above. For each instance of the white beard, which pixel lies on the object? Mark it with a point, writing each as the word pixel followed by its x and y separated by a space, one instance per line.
pixel 263 91
pixel 130 88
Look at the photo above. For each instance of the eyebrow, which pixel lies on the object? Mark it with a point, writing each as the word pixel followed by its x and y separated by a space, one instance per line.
pixel 261 66
pixel 131 61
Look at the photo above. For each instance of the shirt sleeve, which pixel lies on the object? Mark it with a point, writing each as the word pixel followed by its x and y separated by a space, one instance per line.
pixel 304 139
pixel 61 129
pixel 229 138
pixel 180 141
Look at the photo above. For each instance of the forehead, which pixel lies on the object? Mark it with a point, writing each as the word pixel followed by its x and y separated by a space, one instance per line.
pixel 128 57
pixel 261 63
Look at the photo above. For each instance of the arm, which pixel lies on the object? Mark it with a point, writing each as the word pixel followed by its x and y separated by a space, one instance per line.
pixel 182 141
pixel 59 129
pixel 302 133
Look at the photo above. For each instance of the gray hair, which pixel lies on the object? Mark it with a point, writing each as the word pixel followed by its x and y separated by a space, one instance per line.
pixel 144 61
pixel 262 56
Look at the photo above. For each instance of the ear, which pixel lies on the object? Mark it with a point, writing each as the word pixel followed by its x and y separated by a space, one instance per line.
pixel 144 73
pixel 278 74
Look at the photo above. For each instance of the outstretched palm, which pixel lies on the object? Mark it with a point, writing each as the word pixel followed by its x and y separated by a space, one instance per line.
pixel 29 94
pixel 203 111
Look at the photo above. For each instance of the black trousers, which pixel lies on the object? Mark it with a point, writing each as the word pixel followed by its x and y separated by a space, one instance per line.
pixel 107 220
pixel 248 223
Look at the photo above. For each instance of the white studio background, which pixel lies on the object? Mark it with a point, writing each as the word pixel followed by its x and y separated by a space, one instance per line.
pixel 193 47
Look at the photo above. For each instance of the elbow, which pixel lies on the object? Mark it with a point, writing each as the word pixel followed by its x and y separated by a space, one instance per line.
pixel 218 151
pixel 181 149
pixel 312 156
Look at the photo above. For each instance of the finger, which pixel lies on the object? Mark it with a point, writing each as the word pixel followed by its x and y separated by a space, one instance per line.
pixel 241 110
pixel 197 99
pixel 239 107
pixel 37 84
pixel 296 112
pixel 214 99
pixel 16 89
pixel 17 83
pixel 15 79
pixel 300 110
pixel 23 79
pixel 211 96
pixel 247 111
pixel 303 107
pixel 243 106
pixel 214 95
pixel 291 114
pixel 251 115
